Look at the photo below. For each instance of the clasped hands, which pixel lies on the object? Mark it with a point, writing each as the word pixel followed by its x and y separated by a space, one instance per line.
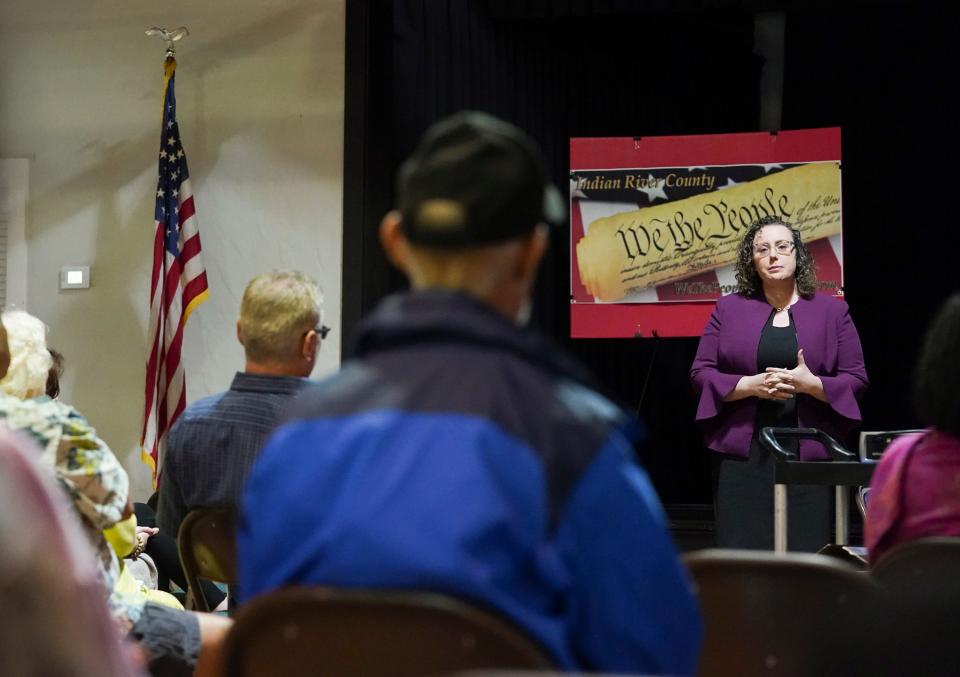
pixel 778 383
pixel 143 535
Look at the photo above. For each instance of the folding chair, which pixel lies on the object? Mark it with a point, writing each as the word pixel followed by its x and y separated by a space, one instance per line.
pixel 916 630
pixel 777 614
pixel 925 563
pixel 207 546
pixel 344 632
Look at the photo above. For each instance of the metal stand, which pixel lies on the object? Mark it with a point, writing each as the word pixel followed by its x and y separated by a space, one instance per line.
pixel 842 471
pixel 841 509
pixel 779 518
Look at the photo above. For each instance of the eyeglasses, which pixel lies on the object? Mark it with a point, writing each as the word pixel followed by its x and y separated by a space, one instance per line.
pixel 783 248
pixel 323 330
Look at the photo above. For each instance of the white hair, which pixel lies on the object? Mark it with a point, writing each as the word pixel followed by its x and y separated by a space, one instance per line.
pixel 30 360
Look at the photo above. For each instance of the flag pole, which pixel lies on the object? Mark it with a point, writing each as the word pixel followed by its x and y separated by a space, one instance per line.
pixel 178 282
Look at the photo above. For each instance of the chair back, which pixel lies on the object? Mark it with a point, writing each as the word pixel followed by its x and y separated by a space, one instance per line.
pixel 769 614
pixel 916 632
pixel 208 549
pixel 925 563
pixel 372 632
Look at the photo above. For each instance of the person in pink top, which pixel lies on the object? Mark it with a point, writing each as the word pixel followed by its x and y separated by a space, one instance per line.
pixel 915 492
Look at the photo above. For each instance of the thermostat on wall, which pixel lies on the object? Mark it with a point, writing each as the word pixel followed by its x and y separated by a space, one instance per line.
pixel 75 277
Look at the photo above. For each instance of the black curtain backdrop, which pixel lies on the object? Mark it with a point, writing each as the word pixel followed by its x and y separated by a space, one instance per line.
pixel 882 71
pixel 888 77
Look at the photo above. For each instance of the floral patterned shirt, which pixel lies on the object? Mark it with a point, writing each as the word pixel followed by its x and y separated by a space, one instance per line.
pixel 90 474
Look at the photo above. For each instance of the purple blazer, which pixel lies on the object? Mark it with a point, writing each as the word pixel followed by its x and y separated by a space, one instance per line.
pixel 728 351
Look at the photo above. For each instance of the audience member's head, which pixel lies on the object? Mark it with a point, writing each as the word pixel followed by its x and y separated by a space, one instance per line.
pixel 938 369
pixel 30 360
pixel 279 325
pixel 53 376
pixel 473 204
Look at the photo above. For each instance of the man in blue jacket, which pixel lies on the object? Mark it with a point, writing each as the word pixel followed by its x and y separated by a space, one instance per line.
pixel 462 453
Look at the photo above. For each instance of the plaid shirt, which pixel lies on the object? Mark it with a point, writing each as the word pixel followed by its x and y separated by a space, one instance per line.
pixel 89 473
pixel 214 443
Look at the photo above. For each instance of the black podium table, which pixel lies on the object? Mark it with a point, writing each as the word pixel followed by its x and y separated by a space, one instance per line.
pixel 842 471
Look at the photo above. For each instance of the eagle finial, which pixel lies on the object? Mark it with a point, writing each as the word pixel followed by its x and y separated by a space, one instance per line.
pixel 169 36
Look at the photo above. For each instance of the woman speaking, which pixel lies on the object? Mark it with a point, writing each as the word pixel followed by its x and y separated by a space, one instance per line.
pixel 775 353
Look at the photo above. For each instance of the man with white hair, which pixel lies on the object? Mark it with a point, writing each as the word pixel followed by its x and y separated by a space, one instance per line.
pixel 462 453
pixel 213 444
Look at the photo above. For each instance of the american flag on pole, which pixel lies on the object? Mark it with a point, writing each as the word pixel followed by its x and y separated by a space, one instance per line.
pixel 177 286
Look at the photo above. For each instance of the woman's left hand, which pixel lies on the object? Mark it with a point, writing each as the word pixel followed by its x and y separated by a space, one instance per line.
pixel 800 377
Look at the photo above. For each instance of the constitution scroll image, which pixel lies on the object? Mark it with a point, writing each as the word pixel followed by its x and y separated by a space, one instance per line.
pixel 656 222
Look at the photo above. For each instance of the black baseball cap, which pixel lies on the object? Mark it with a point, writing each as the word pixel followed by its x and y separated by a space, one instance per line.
pixel 474 179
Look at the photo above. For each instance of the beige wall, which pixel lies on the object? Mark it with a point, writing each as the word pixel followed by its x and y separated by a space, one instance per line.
pixel 260 103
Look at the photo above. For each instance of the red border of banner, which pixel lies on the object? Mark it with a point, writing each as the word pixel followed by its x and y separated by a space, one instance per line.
pixel 627 320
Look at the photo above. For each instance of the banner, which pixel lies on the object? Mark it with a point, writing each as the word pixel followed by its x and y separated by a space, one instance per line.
pixel 656 223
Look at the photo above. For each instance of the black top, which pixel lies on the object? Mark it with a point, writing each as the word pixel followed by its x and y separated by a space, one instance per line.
pixel 778 348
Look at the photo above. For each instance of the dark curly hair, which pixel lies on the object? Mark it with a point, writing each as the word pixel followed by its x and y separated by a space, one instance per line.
pixel 748 281
pixel 935 396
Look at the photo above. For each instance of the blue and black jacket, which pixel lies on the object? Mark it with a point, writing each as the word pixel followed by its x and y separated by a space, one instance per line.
pixel 461 453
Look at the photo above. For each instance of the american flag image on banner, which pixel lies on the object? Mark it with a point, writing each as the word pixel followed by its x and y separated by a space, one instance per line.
pixel 588 206
pixel 178 283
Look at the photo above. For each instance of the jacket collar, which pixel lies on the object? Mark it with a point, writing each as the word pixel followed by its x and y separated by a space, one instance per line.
pixel 438 316
pixel 265 383
pixel 804 317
